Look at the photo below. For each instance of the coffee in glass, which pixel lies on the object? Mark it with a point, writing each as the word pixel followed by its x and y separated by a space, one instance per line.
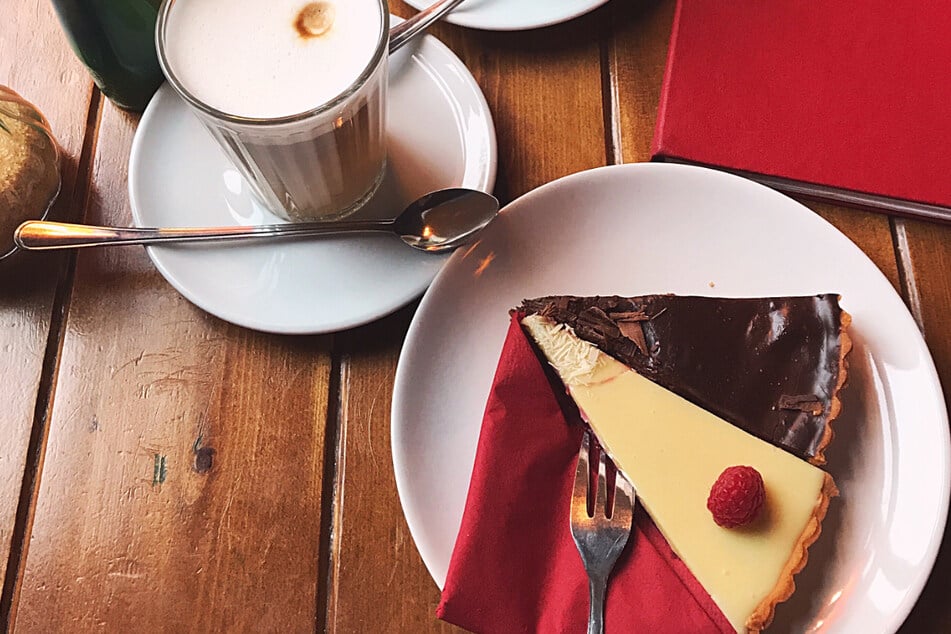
pixel 293 91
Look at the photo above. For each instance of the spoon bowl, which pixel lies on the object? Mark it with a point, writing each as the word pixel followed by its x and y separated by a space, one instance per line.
pixel 438 221
pixel 445 219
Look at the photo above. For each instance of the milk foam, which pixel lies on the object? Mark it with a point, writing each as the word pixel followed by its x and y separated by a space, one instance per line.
pixel 246 58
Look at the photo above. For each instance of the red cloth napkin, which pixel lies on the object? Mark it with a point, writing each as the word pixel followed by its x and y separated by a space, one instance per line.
pixel 515 567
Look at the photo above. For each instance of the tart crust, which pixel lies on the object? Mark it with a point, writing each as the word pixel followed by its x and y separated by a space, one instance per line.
pixel 786 585
pixel 763 614
pixel 835 405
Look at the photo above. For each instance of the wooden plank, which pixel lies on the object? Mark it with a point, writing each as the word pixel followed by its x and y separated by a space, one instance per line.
pixel 925 252
pixel 636 56
pixel 544 90
pixel 181 489
pixel 35 61
pixel 378 581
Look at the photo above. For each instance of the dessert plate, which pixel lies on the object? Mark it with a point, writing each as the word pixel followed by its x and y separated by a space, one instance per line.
pixel 654 228
pixel 440 134
pixel 506 15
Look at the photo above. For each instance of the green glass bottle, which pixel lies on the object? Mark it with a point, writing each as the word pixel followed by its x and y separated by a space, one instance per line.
pixel 115 39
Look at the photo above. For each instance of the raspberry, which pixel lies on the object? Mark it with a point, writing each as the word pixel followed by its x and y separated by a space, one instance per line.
pixel 737 497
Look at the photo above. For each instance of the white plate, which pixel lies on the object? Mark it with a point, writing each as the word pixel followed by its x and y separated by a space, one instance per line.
pixel 440 134
pixel 648 228
pixel 513 15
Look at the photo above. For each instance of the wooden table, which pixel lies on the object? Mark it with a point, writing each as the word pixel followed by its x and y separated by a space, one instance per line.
pixel 163 470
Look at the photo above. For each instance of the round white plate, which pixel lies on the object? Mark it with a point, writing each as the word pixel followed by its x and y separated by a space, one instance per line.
pixel 656 228
pixel 440 134
pixel 513 15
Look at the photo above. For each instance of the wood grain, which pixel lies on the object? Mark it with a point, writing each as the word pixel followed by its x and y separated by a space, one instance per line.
pixel 378 581
pixel 183 473
pixel 636 54
pixel 57 84
pixel 544 90
pixel 925 250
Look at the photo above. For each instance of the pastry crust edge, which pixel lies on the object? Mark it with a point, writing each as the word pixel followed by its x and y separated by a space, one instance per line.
pixel 762 616
pixel 835 404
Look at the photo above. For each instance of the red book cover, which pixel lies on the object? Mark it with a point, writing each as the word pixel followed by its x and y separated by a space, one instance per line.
pixel 841 100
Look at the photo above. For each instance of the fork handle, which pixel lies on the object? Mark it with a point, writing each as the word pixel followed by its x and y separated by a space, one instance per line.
pixel 596 587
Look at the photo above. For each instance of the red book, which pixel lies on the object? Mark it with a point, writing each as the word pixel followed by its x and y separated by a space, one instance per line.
pixel 838 100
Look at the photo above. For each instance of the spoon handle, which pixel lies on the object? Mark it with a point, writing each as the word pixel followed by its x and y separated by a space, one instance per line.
pixel 38 235
pixel 408 29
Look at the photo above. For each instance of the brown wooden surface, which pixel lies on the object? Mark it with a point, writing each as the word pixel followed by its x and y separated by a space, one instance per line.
pixel 182 479
pixel 56 82
pixel 189 475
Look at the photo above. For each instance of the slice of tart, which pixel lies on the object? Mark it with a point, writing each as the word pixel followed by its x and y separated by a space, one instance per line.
pixel 771 366
pixel 673 451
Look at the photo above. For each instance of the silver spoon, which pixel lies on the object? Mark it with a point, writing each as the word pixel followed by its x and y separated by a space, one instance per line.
pixel 410 28
pixel 438 221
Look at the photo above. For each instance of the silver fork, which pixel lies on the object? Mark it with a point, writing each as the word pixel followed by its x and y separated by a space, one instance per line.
pixel 601 535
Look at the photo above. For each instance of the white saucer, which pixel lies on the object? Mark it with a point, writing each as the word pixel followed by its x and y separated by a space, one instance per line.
pixel 514 15
pixel 440 134
pixel 657 228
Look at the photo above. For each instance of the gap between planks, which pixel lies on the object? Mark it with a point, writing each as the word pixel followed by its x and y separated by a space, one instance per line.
pixel 610 108
pixel 331 503
pixel 36 449
pixel 906 270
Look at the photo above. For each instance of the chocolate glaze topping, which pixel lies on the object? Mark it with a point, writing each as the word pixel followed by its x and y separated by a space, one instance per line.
pixel 770 366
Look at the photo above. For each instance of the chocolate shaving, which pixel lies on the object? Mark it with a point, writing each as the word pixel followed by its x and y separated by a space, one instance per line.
pixel 635 332
pixel 808 403
pixel 546 310
pixel 596 323
pixel 629 325
pixel 629 316
pixel 598 320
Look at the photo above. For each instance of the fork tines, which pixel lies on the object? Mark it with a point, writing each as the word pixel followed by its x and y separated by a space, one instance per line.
pixel 601 529
pixel 600 526
pixel 599 483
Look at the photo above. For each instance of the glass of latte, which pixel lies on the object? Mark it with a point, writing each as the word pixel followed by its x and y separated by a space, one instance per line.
pixel 293 91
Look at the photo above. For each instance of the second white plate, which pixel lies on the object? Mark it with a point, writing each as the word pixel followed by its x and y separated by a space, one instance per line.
pixel 514 15
pixel 654 228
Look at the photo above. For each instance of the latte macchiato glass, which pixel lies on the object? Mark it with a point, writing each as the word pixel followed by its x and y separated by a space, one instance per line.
pixel 293 91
